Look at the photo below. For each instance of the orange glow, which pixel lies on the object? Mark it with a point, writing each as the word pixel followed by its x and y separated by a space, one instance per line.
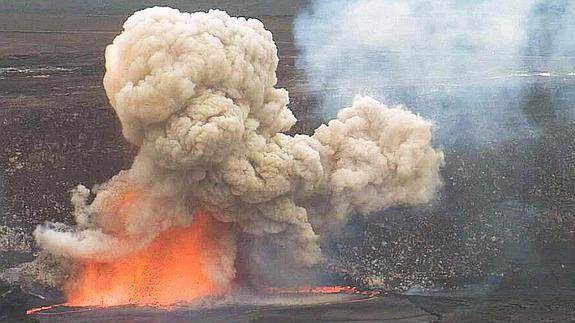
pixel 41 308
pixel 168 271
pixel 116 214
pixel 126 198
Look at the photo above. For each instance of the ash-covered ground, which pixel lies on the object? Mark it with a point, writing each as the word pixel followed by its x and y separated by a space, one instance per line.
pixel 501 230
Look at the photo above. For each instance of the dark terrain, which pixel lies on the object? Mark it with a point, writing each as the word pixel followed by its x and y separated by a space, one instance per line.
pixel 496 245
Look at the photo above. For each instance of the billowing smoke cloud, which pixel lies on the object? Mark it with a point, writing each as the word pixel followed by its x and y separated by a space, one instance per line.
pixel 196 93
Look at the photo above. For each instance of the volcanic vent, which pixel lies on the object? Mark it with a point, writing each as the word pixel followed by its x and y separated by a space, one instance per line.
pixel 195 92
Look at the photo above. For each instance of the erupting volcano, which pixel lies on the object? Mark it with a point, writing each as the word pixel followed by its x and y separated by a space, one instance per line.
pixel 196 93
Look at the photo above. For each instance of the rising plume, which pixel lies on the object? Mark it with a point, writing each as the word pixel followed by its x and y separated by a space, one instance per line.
pixel 196 92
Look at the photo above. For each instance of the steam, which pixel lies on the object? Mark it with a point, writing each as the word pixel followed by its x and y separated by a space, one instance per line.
pixel 450 60
pixel 550 36
pixel 416 41
pixel 196 93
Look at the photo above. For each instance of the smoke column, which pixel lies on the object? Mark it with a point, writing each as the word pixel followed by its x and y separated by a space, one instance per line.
pixel 195 92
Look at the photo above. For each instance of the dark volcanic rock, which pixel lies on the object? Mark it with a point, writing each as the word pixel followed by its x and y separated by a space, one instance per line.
pixel 14 303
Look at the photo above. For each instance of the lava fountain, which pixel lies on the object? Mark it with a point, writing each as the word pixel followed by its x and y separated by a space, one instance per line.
pixel 169 270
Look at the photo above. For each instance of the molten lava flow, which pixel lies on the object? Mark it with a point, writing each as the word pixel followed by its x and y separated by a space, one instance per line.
pixel 35 310
pixel 169 270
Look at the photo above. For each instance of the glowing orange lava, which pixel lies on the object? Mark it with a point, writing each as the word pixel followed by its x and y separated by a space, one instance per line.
pixel 168 271
pixel 41 308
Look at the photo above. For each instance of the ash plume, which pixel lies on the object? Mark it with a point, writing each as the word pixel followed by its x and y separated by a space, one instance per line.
pixel 196 93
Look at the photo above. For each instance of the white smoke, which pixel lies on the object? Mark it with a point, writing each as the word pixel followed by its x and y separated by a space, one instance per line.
pixel 413 41
pixel 196 93
pixel 444 57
